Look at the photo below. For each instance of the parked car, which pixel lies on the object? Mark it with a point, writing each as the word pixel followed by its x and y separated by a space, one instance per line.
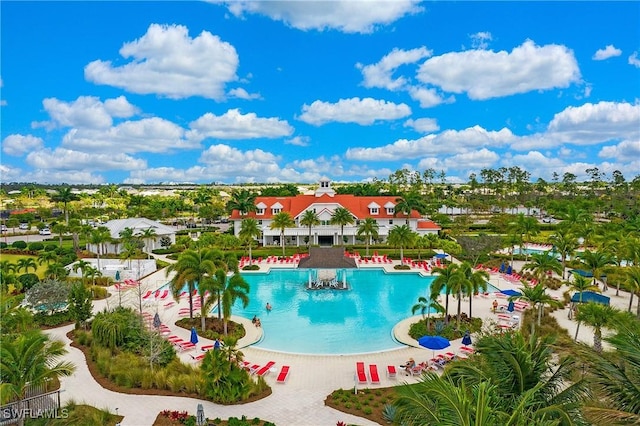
pixel 24 226
pixel 3 228
pixel 45 231
pixel 547 219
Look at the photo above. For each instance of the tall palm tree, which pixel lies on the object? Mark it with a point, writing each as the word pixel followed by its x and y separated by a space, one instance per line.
pixel 410 202
pixel 598 316
pixel 541 264
pixel 282 221
pixel 64 195
pixel 342 217
pixel 249 229
pixel 616 378
pixel 368 229
pixel 236 289
pixel 538 298
pixel 310 219
pixel 191 268
pixel 98 237
pixel 30 360
pixel 597 261
pixel 60 229
pixel 147 235
pixel 47 257
pixel 633 281
pixel 445 281
pixel 581 284
pixel 242 200
pixel 81 265
pixel 478 281
pixel 565 243
pixel 401 236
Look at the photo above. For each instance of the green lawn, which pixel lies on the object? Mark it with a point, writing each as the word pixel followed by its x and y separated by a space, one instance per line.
pixel 13 258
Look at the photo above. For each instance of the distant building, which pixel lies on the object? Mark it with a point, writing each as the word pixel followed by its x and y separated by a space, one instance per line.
pixel 139 225
pixel 324 201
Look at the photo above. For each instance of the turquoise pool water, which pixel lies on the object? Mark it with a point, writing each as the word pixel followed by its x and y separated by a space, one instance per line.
pixel 358 320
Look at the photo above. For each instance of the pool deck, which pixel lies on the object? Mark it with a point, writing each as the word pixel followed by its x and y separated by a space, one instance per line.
pixel 299 401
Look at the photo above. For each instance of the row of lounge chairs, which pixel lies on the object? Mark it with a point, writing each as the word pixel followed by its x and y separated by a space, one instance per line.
pixel 263 370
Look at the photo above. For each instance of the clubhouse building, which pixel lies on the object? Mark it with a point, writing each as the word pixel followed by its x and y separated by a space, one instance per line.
pixel 324 201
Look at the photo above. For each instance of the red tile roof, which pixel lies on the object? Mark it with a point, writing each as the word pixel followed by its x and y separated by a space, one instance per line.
pixel 357 205
pixel 428 224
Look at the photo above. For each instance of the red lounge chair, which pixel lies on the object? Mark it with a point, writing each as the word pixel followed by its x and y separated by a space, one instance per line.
pixel 391 372
pixel 186 346
pixel 198 357
pixel 206 348
pixel 147 295
pixel 360 374
pixel 263 371
pixel 373 374
pixel 283 375
pixel 173 338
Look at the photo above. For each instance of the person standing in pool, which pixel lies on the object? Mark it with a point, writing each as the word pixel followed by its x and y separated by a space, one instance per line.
pixel 268 306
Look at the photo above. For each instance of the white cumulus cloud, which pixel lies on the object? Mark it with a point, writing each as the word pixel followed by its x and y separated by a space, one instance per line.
pixel 167 62
pixel 608 52
pixel 362 16
pixel 485 74
pixel 423 125
pixel 633 60
pixel 18 145
pixel 235 125
pixel 480 40
pixel 62 159
pixel 355 110
pixel 624 151
pixel 86 112
pixel 380 74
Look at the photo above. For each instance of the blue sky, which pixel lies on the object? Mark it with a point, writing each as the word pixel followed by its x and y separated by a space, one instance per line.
pixel 150 92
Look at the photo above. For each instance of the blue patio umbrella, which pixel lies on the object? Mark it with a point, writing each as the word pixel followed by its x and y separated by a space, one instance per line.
pixel 511 306
pixel 441 255
pixel 156 321
pixel 194 336
pixel 435 343
pixel 466 339
pixel 502 266
pixel 118 275
pixel 509 270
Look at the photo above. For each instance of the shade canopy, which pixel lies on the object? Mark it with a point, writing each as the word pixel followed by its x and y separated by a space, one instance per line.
pixel 586 274
pixel 511 292
pixel 441 255
pixel 433 342
pixel 590 296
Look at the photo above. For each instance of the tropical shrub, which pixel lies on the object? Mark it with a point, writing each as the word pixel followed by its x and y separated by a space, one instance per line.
pixel 49 320
pixel 36 246
pixel 20 245
pixel 28 280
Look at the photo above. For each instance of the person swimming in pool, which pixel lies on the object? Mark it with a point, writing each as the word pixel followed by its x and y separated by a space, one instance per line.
pixel 268 306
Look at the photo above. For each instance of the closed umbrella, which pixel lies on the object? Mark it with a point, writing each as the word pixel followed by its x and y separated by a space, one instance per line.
pixel 511 306
pixel 156 321
pixel 200 419
pixel 435 343
pixel 117 275
pixel 194 336
pixel 466 339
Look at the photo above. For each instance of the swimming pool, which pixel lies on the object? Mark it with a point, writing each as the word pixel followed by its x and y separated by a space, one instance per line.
pixel 357 320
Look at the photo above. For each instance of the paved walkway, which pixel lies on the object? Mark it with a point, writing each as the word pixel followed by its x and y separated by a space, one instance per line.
pixel 300 401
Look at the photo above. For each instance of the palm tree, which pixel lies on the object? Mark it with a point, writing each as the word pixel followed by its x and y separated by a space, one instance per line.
pixel 616 378
pixel 477 281
pixel 25 264
pixel 64 196
pixel 511 382
pixel 446 279
pixel 541 264
pixel 191 268
pixel 236 288
pixel 581 284
pixel 401 236
pixel 410 202
pixel 56 271
pixel 596 262
pixel 309 219
pixel 368 229
pixel 30 360
pixel 47 257
pixel 243 201
pixel 342 217
pixel 538 298
pixel 60 229
pixel 633 280
pixel 98 237
pixel 147 235
pixel 564 243
pixel 249 230
pixel 598 316
pixel 82 265
pixel 282 221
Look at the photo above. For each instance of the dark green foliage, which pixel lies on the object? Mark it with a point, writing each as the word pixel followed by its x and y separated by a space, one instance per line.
pixel 48 295
pixel 45 319
pixel 36 246
pixel 21 245
pixel 448 331
pixel 28 281
pixel 80 305
pixel 3 245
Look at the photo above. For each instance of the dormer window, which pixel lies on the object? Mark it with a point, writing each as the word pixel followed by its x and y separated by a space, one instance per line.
pixel 276 208
pixel 390 208
pixel 374 208
pixel 260 208
pixel 276 211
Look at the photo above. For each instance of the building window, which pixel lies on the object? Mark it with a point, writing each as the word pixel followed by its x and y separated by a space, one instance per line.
pixel 276 211
pixel 259 221
pixel 260 211
pixel 391 210
pixel 374 210
pixel 390 221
